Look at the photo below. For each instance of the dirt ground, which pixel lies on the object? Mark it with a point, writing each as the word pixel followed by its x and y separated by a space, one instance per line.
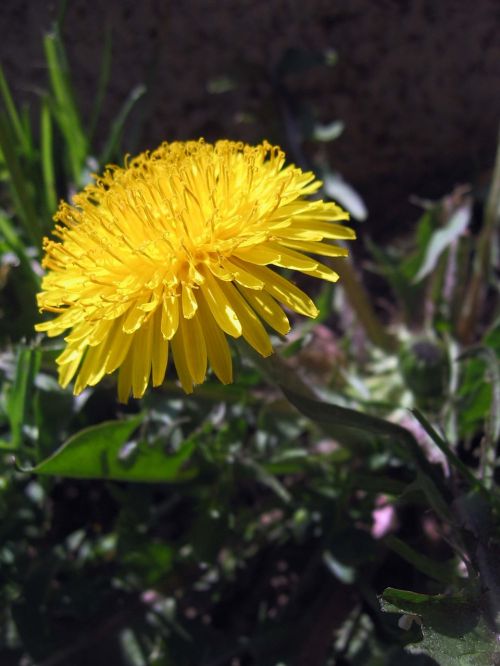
pixel 416 82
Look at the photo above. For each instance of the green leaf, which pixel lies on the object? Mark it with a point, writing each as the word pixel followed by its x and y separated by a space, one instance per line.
pixel 98 452
pixel 150 559
pixel 353 428
pixel 349 425
pixel 454 631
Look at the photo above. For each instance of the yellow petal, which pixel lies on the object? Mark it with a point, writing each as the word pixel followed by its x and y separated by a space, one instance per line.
pixel 92 369
pixel 221 271
pixel 252 330
pixel 286 292
pixel 220 307
pixel 189 304
pixel 117 348
pixel 67 370
pixel 218 351
pixel 159 352
pixel 72 351
pixel 99 332
pixel 180 362
pixel 326 229
pixel 133 319
pixel 125 378
pixel 323 272
pixel 141 364
pixel 326 212
pixel 170 316
pixel 260 254
pixel 293 260
pixel 324 249
pixel 241 272
pixel 267 308
pixel 195 348
pixel 316 231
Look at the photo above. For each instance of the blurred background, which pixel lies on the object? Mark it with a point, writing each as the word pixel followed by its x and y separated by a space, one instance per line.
pixel 415 83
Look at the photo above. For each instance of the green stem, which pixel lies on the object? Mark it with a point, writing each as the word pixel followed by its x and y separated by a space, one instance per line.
pixel 474 298
pixel 450 455
pixel 360 303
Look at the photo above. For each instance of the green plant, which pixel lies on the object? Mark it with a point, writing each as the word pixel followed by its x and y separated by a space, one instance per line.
pixel 336 504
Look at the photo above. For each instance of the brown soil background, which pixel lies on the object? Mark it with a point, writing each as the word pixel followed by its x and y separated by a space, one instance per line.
pixel 417 83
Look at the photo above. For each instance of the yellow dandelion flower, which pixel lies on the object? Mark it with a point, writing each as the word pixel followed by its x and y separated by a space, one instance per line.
pixel 172 254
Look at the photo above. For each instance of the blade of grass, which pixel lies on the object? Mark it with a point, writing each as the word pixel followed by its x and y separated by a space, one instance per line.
pixel 117 127
pixel 47 157
pixel 21 195
pixel 12 114
pixel 28 362
pixel 28 132
pixel 64 107
pixel 62 7
pixel 102 84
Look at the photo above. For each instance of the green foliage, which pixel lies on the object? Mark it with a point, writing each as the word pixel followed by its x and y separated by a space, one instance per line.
pixel 454 631
pixel 258 523
pixel 105 451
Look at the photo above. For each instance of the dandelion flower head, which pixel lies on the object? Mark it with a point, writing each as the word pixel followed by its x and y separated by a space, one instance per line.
pixel 176 251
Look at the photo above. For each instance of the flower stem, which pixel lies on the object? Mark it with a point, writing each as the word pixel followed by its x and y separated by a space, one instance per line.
pixel 360 303
pixel 474 298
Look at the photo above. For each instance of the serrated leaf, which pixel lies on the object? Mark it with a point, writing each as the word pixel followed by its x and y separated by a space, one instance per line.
pixel 97 453
pixel 454 631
